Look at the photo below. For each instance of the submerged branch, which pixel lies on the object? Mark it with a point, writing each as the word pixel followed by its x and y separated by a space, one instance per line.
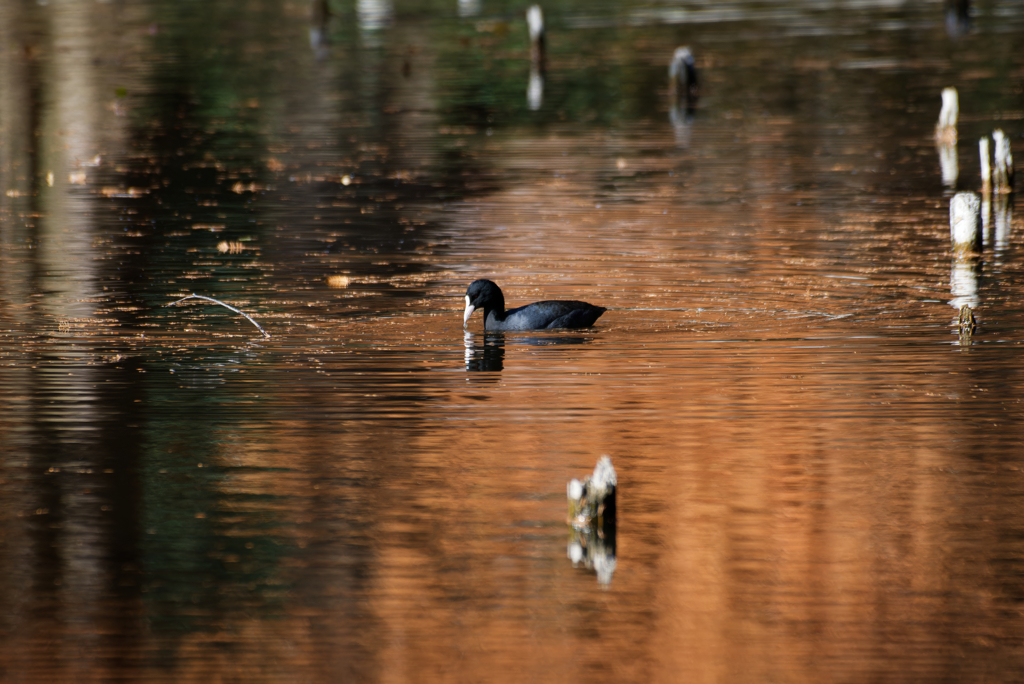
pixel 226 306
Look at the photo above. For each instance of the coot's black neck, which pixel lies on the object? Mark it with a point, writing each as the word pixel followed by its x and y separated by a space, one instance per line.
pixel 495 306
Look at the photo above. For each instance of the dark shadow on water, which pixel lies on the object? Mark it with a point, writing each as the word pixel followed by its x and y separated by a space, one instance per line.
pixel 545 340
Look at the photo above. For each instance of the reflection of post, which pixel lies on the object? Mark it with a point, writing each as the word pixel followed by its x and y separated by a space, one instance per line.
pixel 69 132
pixel 18 98
pixel 986 220
pixel 1003 217
pixel 986 170
pixel 963 281
pixel 595 551
pixel 996 189
pixel 964 217
pixel 538 57
pixel 320 13
pixel 958 17
pixel 535 89
pixel 945 137
pixel 68 135
pixel 682 123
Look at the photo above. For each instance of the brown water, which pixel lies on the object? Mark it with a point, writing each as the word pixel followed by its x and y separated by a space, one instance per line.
pixel 817 481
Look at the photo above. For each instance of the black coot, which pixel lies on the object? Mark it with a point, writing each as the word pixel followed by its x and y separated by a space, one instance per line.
pixel 484 294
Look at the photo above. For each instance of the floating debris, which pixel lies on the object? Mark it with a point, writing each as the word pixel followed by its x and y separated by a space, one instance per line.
pixel 122 192
pixel 592 520
pixel 230 247
pixel 226 306
pixel 338 281
pixel 239 187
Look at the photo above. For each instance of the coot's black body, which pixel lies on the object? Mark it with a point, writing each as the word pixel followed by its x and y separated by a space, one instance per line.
pixel 484 294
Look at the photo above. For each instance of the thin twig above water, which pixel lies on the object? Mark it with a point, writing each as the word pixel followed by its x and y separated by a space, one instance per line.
pixel 227 306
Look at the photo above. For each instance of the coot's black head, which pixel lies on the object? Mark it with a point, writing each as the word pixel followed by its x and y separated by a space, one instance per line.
pixel 483 294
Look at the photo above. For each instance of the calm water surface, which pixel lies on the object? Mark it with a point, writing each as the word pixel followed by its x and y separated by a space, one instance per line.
pixel 817 481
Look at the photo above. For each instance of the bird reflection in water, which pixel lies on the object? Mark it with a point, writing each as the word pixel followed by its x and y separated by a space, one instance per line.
pixel 486 353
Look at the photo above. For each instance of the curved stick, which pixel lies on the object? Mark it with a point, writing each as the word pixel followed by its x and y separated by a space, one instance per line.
pixel 227 306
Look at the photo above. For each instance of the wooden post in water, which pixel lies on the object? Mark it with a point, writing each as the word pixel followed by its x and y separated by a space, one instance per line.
pixel 1002 175
pixel 946 127
pixel 682 74
pixel 986 192
pixel 966 325
pixel 964 220
pixel 996 188
pixel 945 137
pixel 592 520
pixel 683 91
pixel 538 57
